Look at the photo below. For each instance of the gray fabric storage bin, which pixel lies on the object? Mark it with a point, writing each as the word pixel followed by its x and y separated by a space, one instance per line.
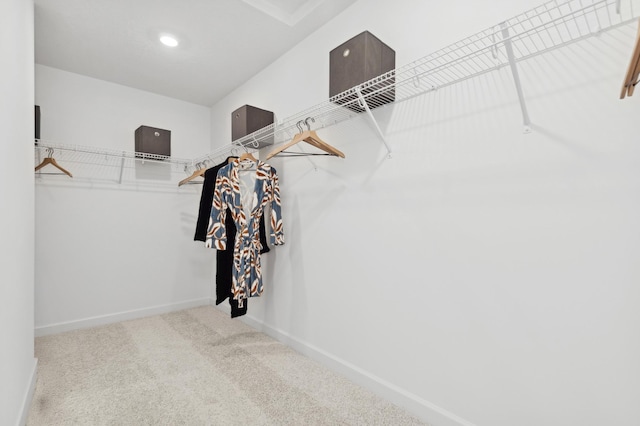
pixel 151 140
pixel 356 61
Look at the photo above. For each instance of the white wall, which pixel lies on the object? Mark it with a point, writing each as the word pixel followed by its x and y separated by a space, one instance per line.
pixel 103 248
pixel 481 275
pixel 17 364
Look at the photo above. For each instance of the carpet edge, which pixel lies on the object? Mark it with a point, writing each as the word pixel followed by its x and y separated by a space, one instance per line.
pixel 28 397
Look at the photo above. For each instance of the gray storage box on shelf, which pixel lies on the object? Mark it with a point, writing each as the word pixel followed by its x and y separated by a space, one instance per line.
pixel 356 61
pixel 151 140
pixel 249 119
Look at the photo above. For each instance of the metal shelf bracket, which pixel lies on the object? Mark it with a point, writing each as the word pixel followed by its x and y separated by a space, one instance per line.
pixel 122 166
pixel 516 76
pixel 363 104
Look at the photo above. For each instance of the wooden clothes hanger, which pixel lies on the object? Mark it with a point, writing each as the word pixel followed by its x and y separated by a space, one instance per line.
pixel 309 136
pixel 50 160
pixel 247 162
pixel 633 71
pixel 247 156
pixel 199 172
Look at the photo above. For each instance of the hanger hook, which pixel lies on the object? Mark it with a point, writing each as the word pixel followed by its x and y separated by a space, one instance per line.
pixel 306 121
pixel 299 126
pixel 49 152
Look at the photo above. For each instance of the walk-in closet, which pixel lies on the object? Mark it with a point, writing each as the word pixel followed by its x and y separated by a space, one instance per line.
pixel 320 212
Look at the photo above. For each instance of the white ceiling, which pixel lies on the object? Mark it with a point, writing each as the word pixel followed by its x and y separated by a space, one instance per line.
pixel 223 43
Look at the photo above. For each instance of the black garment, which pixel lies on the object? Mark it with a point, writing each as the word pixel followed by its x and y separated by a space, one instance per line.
pixel 206 198
pixel 224 258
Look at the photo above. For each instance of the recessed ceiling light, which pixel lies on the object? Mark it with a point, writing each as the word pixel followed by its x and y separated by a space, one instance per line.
pixel 168 40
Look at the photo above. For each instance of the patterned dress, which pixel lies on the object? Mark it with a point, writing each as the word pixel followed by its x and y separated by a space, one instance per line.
pixel 245 188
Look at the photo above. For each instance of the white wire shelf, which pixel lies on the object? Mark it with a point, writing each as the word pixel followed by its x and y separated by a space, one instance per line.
pixel 88 153
pixel 549 26
pixel 90 164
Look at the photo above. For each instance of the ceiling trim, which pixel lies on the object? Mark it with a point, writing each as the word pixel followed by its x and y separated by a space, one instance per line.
pixel 290 18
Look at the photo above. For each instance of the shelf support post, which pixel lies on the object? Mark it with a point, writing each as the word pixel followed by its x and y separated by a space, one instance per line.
pixel 122 166
pixel 516 76
pixel 363 103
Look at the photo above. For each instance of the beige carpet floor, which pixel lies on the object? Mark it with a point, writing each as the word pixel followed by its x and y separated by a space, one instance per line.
pixel 192 367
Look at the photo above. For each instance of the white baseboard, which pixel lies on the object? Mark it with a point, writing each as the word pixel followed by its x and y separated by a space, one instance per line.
pixel 419 407
pixel 119 316
pixel 28 397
